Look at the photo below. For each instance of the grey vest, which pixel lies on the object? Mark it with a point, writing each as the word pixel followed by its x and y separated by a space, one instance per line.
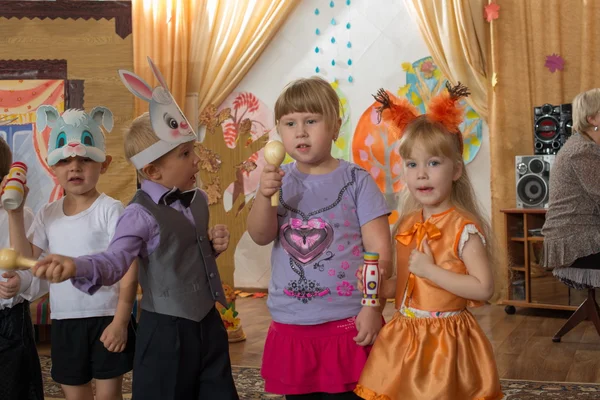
pixel 180 278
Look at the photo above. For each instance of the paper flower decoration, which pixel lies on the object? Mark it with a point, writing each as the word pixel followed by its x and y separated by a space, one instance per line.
pixel 554 62
pixel 490 12
pixel 230 317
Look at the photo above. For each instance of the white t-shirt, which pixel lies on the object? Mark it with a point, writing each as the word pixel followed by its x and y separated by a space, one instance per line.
pixel 31 288
pixel 88 232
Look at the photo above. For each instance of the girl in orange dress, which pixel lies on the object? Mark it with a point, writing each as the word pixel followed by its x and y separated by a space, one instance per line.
pixel 433 349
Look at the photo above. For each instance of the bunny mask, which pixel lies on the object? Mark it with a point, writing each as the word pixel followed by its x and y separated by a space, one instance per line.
pixel 75 133
pixel 168 122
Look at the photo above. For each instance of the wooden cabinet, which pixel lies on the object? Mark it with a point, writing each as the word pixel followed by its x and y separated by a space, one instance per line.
pixel 529 285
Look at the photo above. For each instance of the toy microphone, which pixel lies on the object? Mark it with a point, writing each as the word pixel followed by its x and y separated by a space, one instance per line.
pixel 371 280
pixel 13 192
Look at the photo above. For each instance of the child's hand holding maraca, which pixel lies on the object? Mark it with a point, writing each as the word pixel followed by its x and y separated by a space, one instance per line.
pixel 271 180
pixel 271 177
pixel 55 268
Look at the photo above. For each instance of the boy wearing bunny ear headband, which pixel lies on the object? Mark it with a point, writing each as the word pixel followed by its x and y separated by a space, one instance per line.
pixel 166 228
pixel 168 122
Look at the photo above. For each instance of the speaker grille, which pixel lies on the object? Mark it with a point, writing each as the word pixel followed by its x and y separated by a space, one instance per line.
pixel 532 190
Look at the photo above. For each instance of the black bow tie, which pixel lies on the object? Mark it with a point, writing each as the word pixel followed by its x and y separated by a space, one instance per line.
pixel 184 197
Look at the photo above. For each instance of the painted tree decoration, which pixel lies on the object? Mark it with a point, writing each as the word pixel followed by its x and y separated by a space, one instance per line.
pixel 373 150
pixel 251 119
pixel 229 154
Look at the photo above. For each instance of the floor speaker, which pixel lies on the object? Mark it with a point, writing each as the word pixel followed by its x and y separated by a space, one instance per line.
pixel 533 180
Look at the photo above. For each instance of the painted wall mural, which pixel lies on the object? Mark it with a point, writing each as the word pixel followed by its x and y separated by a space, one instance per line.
pixel 423 81
pixel 373 150
pixel 19 100
pixel 250 120
pixel 342 148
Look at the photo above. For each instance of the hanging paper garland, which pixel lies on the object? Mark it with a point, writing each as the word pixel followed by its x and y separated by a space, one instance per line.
pixel 349 44
pixel 332 50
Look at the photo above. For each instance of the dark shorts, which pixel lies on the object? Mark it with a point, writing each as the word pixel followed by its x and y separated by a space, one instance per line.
pixel 78 355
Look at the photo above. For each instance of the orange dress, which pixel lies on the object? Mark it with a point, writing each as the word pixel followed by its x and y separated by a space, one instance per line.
pixel 432 349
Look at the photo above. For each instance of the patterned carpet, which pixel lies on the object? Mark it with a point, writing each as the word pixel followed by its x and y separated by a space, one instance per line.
pixel 250 387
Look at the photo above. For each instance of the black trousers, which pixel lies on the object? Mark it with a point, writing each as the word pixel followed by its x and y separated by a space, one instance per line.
pixel 179 359
pixel 20 371
pixel 324 396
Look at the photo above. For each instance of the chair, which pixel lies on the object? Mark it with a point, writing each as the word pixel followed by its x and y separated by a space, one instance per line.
pixel 588 310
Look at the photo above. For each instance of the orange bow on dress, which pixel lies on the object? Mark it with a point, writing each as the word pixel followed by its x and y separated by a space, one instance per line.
pixel 420 230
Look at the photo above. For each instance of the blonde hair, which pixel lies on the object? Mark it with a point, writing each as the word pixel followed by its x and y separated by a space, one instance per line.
pixel 139 136
pixel 585 104
pixel 437 141
pixel 312 95
pixel 5 158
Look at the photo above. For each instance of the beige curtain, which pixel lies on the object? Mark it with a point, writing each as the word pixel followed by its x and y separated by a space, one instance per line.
pixel 202 47
pixel 161 31
pixel 455 34
pixel 227 38
pixel 524 34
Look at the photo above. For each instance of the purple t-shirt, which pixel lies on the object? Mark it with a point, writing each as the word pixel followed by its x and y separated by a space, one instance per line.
pixel 319 245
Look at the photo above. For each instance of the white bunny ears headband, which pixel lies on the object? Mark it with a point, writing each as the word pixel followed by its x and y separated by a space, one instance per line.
pixel 168 122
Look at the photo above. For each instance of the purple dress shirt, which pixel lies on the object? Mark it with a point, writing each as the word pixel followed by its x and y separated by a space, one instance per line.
pixel 137 235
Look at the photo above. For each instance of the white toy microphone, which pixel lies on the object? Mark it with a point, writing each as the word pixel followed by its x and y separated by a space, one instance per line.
pixel 371 280
pixel 14 191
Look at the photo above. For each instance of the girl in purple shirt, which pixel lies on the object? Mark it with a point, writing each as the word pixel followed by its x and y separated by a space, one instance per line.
pixel 330 212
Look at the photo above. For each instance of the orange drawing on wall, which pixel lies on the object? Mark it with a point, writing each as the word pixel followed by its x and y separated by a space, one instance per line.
pixel 377 153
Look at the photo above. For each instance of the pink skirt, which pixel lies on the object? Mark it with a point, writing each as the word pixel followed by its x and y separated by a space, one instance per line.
pixel 301 359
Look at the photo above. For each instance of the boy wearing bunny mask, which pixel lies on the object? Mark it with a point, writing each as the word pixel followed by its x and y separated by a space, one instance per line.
pixel 92 337
pixel 182 350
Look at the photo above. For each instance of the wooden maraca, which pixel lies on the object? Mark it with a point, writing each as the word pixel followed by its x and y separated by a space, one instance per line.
pixel 274 155
pixel 10 259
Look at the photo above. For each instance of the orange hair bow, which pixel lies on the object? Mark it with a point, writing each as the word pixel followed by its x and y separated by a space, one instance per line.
pixel 443 108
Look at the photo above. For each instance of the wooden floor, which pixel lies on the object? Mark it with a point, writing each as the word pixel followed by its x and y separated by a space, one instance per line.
pixel 522 342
